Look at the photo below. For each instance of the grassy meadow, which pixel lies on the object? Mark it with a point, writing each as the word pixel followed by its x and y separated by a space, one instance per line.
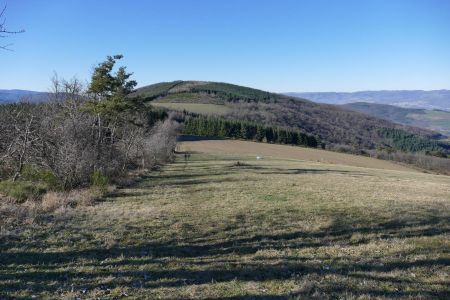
pixel 199 108
pixel 232 227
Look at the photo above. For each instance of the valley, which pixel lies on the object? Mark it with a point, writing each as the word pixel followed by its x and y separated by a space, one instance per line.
pixel 437 120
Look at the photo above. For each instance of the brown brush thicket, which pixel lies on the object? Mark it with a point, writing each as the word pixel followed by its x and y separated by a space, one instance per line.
pixel 64 140
pixel 81 137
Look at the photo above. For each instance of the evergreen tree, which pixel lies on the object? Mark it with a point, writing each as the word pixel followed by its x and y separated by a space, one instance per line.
pixel 110 90
pixel 260 133
pixel 269 134
pixel 213 126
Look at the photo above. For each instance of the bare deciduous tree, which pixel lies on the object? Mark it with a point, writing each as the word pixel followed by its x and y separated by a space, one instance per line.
pixel 60 136
pixel 4 32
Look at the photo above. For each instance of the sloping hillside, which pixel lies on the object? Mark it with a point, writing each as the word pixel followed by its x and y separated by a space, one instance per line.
pixel 334 125
pixel 437 99
pixel 195 91
pixel 252 149
pixel 438 120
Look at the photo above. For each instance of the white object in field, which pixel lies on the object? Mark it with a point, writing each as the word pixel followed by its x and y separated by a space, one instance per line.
pixel 259 157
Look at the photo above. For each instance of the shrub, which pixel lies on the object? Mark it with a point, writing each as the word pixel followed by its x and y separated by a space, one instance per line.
pixel 34 174
pixel 52 201
pixel 83 197
pixel 99 181
pixel 22 190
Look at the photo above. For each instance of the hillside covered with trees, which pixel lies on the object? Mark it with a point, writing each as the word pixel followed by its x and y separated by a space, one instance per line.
pixel 334 126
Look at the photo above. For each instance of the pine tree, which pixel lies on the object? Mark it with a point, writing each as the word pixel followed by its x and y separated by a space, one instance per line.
pixel 260 133
pixel 245 131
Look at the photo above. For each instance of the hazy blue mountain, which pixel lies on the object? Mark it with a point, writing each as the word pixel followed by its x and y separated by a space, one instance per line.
pixel 437 99
pixel 11 96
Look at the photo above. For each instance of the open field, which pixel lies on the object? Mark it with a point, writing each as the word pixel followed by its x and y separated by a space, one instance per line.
pixel 200 108
pixel 289 152
pixel 212 228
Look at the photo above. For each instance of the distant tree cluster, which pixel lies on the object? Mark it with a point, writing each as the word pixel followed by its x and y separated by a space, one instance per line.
pixel 407 142
pixel 234 93
pixel 220 127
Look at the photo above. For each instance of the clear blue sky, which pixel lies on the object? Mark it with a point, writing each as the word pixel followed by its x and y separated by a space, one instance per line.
pixel 276 45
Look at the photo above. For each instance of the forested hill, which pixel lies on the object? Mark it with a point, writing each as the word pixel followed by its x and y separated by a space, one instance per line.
pixel 333 125
pixel 215 92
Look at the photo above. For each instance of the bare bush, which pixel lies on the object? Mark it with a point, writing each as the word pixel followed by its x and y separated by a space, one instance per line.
pixel 422 161
pixel 52 201
pixel 160 146
pixel 65 138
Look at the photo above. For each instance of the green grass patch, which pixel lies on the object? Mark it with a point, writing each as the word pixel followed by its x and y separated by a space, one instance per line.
pixel 22 190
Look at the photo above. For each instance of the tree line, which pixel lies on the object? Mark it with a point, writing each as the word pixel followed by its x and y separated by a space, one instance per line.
pixel 407 142
pixel 233 93
pixel 220 127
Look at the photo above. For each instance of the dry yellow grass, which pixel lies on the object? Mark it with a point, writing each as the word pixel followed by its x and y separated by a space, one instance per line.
pixel 211 228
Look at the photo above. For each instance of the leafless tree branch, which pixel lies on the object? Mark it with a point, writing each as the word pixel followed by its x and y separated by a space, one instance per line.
pixel 4 32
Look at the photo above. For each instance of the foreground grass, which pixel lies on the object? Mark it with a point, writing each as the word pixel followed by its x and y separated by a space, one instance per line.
pixel 268 229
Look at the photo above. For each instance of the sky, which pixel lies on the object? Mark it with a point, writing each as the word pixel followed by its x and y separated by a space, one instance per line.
pixel 278 45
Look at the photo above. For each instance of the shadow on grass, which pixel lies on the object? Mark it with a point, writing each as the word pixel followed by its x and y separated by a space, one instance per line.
pixel 196 138
pixel 201 261
pixel 268 170
pixel 220 261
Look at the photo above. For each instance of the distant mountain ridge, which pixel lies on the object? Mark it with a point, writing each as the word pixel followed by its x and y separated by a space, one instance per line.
pixel 435 99
pixel 11 96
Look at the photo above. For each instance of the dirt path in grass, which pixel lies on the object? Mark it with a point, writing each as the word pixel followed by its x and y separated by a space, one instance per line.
pixel 291 152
